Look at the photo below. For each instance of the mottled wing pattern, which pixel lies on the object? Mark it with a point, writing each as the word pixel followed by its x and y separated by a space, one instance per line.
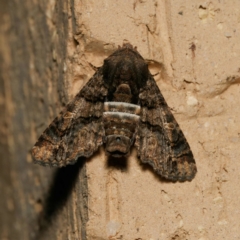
pixel 159 141
pixel 78 130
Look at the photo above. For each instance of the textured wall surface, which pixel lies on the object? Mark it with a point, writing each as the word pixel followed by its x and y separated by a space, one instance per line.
pixel 194 46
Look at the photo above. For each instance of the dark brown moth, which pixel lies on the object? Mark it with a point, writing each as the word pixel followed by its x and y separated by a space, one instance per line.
pixel 119 107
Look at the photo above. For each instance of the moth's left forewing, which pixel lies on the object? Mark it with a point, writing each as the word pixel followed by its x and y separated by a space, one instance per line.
pixel 160 141
pixel 78 130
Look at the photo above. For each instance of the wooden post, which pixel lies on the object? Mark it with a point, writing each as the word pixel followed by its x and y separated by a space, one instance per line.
pixel 35 202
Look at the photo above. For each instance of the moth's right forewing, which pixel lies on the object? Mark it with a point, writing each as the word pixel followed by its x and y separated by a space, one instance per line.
pixel 78 130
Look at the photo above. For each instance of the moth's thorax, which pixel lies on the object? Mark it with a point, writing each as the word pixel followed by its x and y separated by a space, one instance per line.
pixel 123 93
pixel 120 122
pixel 125 73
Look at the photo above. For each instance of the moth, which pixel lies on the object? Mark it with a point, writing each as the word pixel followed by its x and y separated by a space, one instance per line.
pixel 120 106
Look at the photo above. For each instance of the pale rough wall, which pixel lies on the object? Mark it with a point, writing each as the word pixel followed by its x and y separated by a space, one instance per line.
pixel 197 42
pixel 201 86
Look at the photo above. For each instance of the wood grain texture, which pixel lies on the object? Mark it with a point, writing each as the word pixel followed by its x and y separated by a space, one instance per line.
pixel 36 203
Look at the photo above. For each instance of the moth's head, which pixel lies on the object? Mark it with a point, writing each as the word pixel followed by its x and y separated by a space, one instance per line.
pixel 117 145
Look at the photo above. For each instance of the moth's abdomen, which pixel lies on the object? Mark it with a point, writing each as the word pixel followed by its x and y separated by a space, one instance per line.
pixel 120 123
